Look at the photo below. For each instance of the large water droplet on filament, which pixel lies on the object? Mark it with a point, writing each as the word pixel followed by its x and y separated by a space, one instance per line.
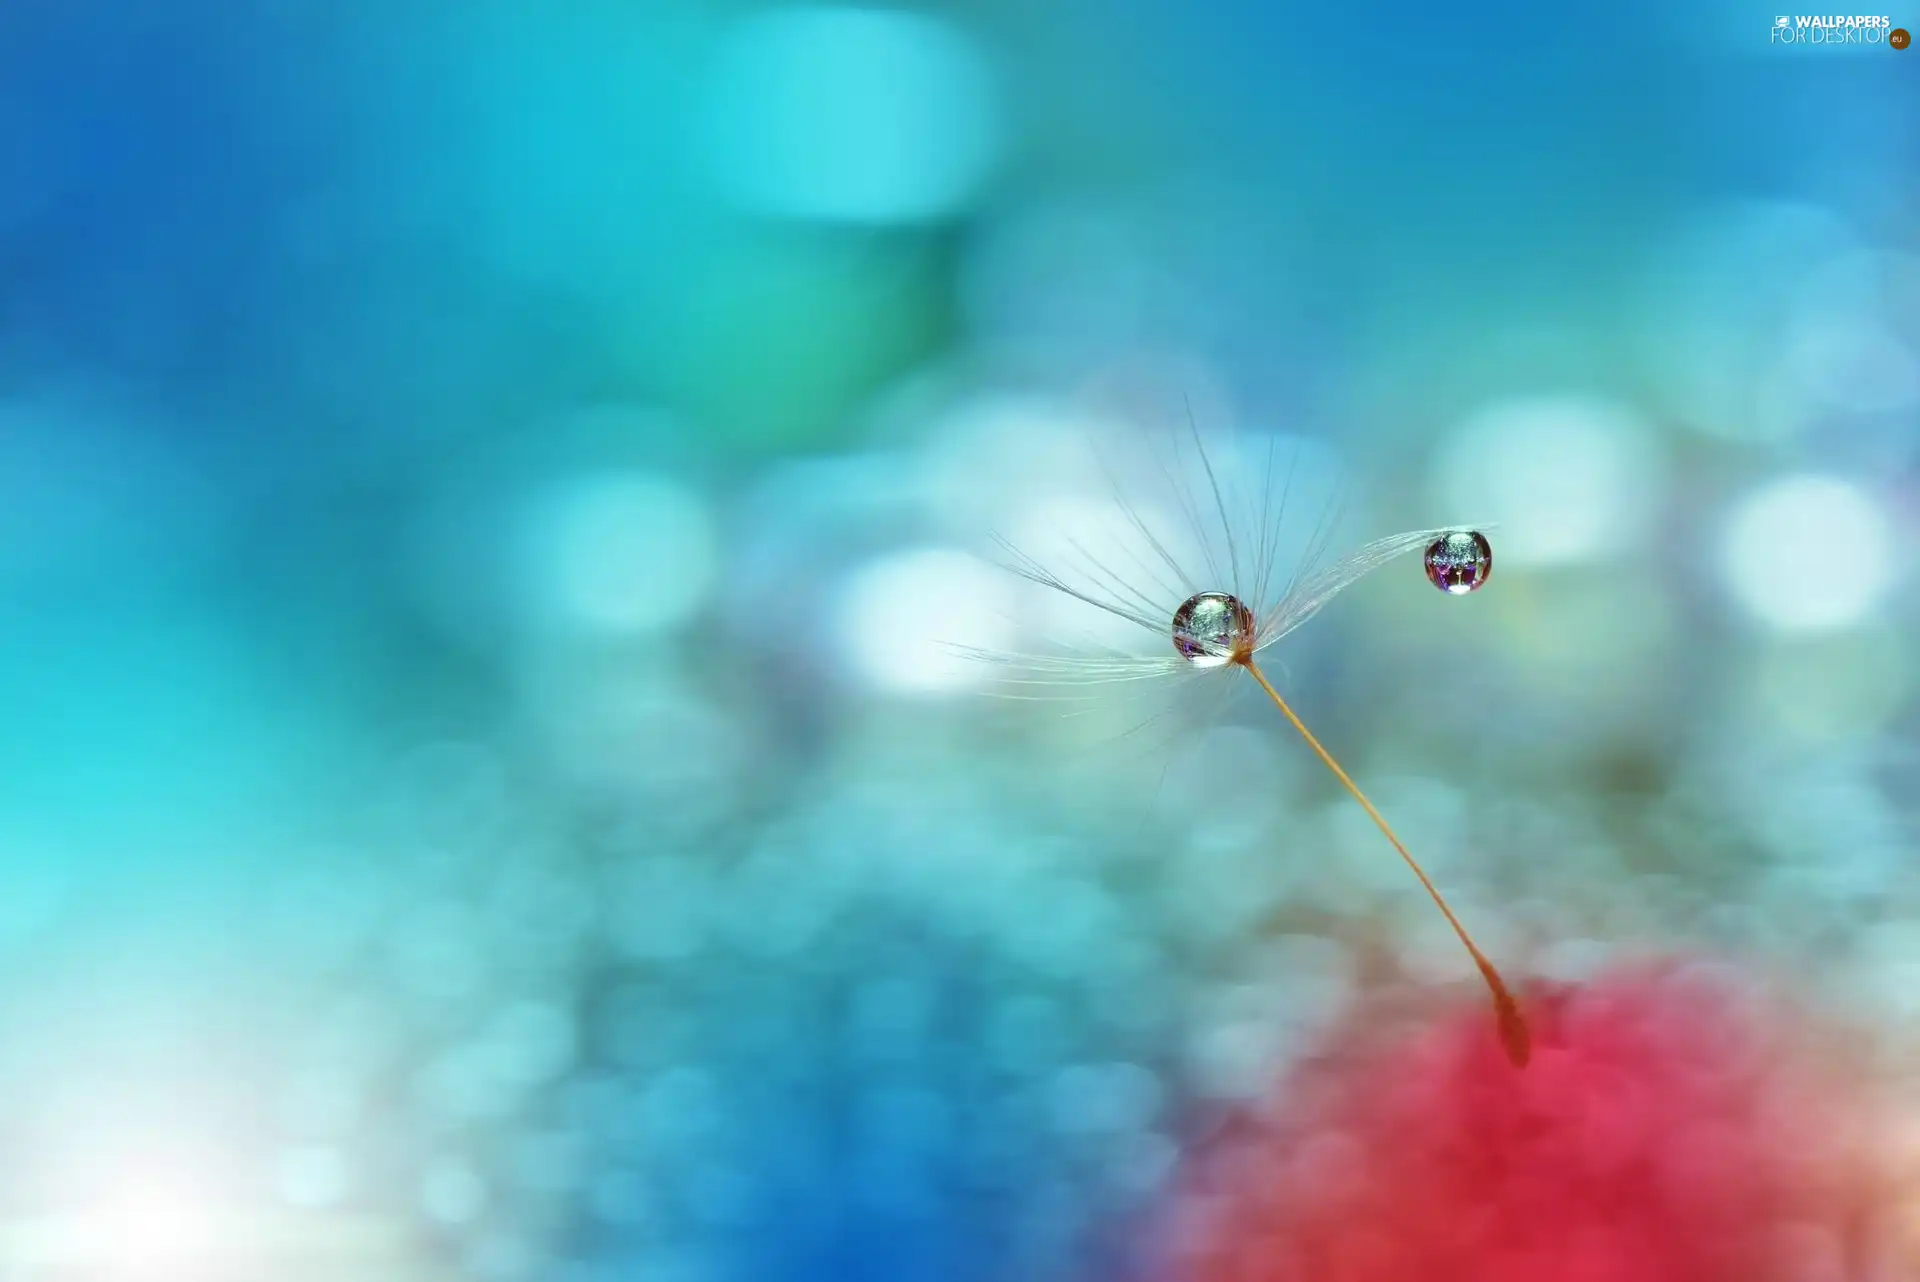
pixel 1460 562
pixel 1213 629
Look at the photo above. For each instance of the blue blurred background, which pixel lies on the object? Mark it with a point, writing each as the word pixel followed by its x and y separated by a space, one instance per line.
pixel 482 487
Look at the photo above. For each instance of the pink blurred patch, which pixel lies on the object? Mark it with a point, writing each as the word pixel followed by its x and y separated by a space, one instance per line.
pixel 1668 1129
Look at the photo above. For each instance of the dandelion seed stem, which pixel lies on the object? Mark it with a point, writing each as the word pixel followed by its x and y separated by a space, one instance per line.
pixel 1514 1036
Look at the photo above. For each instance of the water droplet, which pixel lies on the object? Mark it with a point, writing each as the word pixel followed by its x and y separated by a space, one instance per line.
pixel 1214 628
pixel 1459 562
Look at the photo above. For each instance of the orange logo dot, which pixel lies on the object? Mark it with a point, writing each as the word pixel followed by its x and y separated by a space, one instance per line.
pixel 1899 38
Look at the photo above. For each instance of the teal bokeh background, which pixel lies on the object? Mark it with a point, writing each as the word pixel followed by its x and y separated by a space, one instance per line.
pixel 481 487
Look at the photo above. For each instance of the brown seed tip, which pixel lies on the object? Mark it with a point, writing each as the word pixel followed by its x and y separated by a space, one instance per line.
pixel 1515 1038
pixel 1514 1035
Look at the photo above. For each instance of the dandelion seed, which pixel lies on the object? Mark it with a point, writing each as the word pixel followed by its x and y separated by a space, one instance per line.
pixel 1215 598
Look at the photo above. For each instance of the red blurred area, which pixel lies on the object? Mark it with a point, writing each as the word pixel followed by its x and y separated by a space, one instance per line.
pixel 1674 1126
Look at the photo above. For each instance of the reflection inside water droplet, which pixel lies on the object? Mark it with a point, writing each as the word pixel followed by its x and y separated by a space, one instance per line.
pixel 1460 562
pixel 1212 629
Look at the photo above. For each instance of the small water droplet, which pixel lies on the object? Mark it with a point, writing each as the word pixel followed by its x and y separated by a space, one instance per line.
pixel 1459 562
pixel 1212 629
